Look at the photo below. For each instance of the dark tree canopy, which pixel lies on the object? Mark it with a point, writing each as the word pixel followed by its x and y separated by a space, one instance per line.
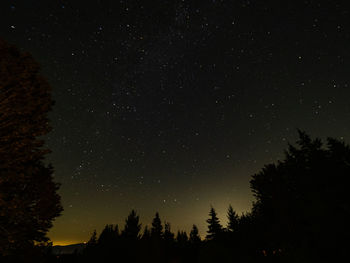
pixel 181 237
pixel 302 202
pixel 108 235
pixel 157 228
pixel 168 235
pixel 194 235
pixel 28 196
pixel 132 226
pixel 214 226
pixel 233 219
pixel 146 234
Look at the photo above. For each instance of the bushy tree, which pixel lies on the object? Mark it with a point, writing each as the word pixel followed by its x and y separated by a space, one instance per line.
pixel 302 202
pixel 28 196
pixel 214 226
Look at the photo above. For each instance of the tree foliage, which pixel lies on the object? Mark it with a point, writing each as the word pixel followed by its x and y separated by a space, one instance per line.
pixel 233 220
pixel 302 202
pixel 194 235
pixel 132 226
pixel 28 196
pixel 157 228
pixel 214 226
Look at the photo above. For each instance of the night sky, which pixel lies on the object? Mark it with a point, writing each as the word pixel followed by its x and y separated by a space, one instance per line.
pixel 171 106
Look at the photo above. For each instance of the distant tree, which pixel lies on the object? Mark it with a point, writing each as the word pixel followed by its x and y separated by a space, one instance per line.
pixel 168 235
pixel 214 226
pixel 91 246
pixel 116 230
pixel 93 240
pixel 233 220
pixel 157 228
pixel 108 236
pixel 302 202
pixel 146 234
pixel 132 226
pixel 181 237
pixel 28 196
pixel 194 235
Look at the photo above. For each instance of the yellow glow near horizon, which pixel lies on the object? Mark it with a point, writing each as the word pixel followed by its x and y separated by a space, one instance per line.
pixel 66 242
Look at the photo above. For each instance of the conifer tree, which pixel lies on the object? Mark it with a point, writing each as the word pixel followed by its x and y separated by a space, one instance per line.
pixel 28 196
pixel 181 237
pixel 108 236
pixel 157 228
pixel 132 226
pixel 92 241
pixel 168 235
pixel 194 235
pixel 233 219
pixel 146 234
pixel 214 226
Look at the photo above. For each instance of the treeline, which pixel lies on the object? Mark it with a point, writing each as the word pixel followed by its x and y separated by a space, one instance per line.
pixel 158 243
pixel 301 213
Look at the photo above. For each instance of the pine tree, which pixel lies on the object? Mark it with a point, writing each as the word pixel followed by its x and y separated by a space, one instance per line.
pixel 181 237
pixel 233 219
pixel 214 226
pixel 194 236
pixel 146 234
pixel 28 196
pixel 93 240
pixel 108 236
pixel 157 228
pixel 132 226
pixel 168 235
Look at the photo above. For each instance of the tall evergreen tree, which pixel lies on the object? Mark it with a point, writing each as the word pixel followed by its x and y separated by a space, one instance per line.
pixel 194 235
pixel 132 226
pixel 233 219
pixel 168 235
pixel 302 201
pixel 214 226
pixel 28 196
pixel 108 236
pixel 157 228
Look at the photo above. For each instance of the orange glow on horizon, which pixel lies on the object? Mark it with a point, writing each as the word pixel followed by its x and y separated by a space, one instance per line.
pixel 66 242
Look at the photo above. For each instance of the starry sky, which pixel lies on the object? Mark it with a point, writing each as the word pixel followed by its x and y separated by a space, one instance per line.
pixel 172 105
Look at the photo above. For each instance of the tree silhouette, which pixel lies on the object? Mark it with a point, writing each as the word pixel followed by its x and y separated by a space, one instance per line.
pixel 181 237
pixel 93 240
pixel 132 226
pixel 28 196
pixel 214 226
pixel 168 235
pixel 146 234
pixel 194 235
pixel 233 220
pixel 157 228
pixel 302 202
pixel 108 236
